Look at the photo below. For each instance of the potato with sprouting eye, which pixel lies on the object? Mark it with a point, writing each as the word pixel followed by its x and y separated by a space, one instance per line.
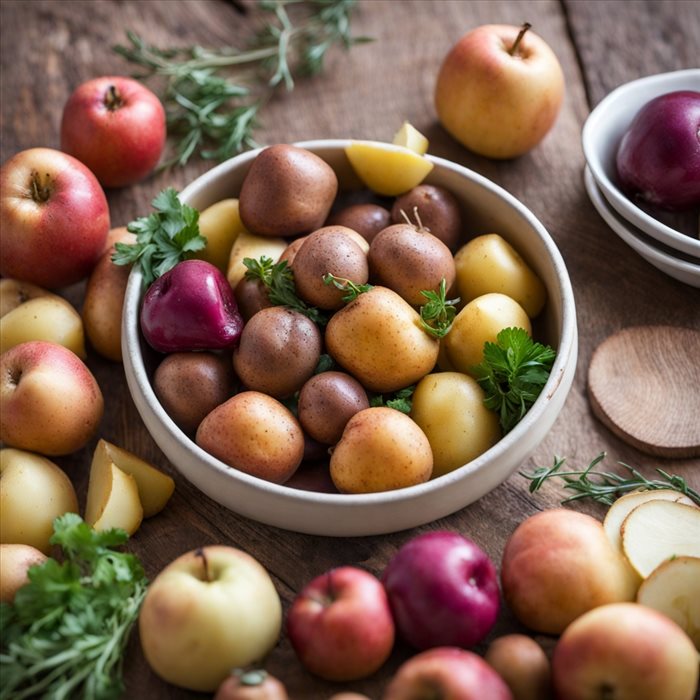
pixel 329 250
pixel 278 351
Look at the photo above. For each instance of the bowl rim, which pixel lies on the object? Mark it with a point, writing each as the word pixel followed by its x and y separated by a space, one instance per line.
pixel 665 82
pixel 566 352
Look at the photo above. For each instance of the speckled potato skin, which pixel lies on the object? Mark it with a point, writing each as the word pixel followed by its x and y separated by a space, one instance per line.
pixel 251 297
pixel 410 260
pixel 378 339
pixel 327 402
pixel 438 211
pixel 190 385
pixel 328 250
pixel 288 191
pixel 278 351
pixel 367 219
pixel 381 449
pixel 256 434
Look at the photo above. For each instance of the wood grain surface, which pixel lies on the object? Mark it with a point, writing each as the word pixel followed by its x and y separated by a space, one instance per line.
pixel 48 47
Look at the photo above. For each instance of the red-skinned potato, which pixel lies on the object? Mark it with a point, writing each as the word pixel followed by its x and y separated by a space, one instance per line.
pixel 255 684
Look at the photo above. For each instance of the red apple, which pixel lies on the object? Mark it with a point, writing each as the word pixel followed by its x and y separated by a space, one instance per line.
pixel 443 591
pixel 499 90
pixel 658 159
pixel 49 400
pixel 191 307
pixel 340 625
pixel 116 126
pixel 446 673
pixel 54 218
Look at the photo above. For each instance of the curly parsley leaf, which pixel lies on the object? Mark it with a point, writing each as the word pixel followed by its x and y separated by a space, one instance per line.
pixel 401 400
pixel 513 372
pixel 65 634
pixel 438 313
pixel 163 238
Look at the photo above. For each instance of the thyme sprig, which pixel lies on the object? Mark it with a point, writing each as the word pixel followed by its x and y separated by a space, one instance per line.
pixel 604 487
pixel 213 97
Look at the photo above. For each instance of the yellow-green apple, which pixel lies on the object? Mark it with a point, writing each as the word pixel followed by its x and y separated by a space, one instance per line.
pixel 251 684
pixel 15 560
pixel 209 611
pixel 446 673
pixel 104 300
pixel 116 126
pixel 14 292
pixel 33 493
pixel 54 218
pixel 48 317
pixel 443 591
pixel 627 652
pixel 340 625
pixel 499 90
pixel 522 663
pixel 559 564
pixel 49 400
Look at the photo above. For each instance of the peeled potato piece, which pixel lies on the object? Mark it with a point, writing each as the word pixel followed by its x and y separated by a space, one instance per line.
pixel 673 588
pixel 410 137
pixel 624 505
pixel 659 530
pixel 155 488
pixel 113 499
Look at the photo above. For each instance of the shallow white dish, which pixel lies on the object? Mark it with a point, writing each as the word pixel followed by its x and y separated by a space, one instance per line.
pixel 680 269
pixel 601 137
pixel 492 209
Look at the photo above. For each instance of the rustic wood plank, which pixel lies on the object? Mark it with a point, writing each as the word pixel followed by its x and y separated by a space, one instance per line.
pixel 48 47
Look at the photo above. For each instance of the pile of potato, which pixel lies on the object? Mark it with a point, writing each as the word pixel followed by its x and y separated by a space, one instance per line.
pixel 278 410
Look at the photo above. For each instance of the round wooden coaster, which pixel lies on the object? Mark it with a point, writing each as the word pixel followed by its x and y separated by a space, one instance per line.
pixel 644 384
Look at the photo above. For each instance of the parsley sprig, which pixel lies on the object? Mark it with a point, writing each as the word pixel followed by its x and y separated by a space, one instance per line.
pixel 163 238
pixel 604 487
pixel 213 97
pixel 513 372
pixel 65 634
pixel 401 400
pixel 278 279
pixel 438 313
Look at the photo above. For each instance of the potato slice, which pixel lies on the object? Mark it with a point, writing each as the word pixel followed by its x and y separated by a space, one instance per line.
pixel 387 169
pixel 658 530
pixel 673 588
pixel 410 137
pixel 113 499
pixel 624 505
pixel 155 488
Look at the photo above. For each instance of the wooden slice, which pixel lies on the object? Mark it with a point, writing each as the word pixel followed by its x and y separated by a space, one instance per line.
pixel 644 384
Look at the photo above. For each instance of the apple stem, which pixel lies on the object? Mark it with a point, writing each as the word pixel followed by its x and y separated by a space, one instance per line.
pixel 40 188
pixel 513 49
pixel 205 563
pixel 113 100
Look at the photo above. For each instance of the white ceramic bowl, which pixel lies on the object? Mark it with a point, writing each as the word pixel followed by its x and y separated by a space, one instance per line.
pixel 601 137
pixel 664 259
pixel 490 209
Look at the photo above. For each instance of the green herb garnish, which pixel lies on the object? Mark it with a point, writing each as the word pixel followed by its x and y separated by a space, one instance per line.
pixel 163 238
pixel 605 487
pixel 278 279
pixel 401 400
pixel 438 313
pixel 65 634
pixel 212 97
pixel 513 372
pixel 351 289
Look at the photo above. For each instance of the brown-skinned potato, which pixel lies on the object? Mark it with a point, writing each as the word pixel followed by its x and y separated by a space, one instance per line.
pixel 367 219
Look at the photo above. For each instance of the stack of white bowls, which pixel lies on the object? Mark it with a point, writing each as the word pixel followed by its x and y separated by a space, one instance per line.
pixel 672 251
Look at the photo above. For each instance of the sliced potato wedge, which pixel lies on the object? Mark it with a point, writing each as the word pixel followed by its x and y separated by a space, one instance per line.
pixel 624 505
pixel 673 588
pixel 410 137
pixel 658 530
pixel 113 499
pixel 155 488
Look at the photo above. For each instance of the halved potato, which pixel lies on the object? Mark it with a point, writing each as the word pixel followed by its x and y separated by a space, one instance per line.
pixel 113 499
pixel 155 488
pixel 658 530
pixel 673 588
pixel 410 137
pixel 624 505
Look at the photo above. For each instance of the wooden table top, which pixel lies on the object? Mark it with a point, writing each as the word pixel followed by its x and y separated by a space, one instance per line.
pixel 49 47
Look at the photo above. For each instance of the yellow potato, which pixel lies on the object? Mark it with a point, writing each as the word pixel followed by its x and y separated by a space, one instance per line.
pixel 387 169
pixel 112 499
pixel 220 224
pixel 248 245
pixel 378 339
pixel 489 263
pixel 480 321
pixel 449 408
pixel 381 449
pixel 410 137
